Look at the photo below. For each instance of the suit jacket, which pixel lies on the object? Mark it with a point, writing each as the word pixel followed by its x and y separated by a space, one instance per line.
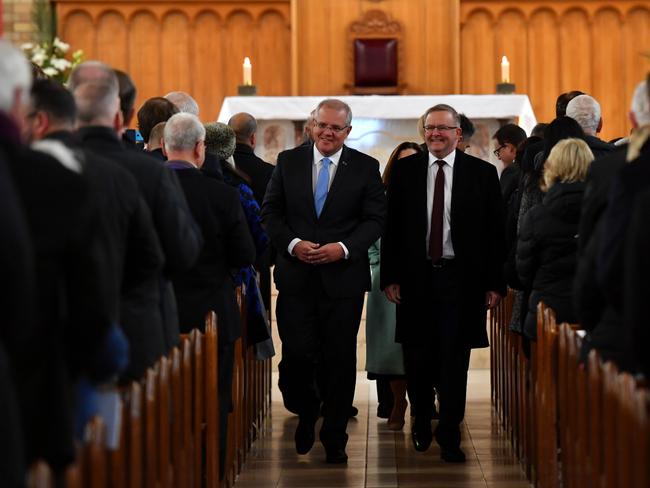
pixel 179 235
pixel 131 248
pixel 259 170
pixel 353 213
pixel 228 246
pixel 477 234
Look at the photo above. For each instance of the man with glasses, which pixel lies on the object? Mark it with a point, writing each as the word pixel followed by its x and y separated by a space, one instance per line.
pixel 442 255
pixel 323 209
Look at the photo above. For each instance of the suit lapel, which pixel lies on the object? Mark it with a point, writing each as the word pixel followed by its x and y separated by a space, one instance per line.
pixel 458 186
pixel 420 187
pixel 305 161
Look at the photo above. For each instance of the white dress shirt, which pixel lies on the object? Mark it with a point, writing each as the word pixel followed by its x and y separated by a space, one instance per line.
pixel 448 169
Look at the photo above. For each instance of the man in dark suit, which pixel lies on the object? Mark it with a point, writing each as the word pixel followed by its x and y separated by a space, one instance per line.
pixel 228 245
pixel 323 209
pixel 127 235
pixel 259 171
pixel 442 256
pixel 179 236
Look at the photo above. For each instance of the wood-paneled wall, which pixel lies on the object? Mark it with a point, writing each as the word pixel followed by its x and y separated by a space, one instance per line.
pixel 194 46
pixel 300 47
pixel 557 46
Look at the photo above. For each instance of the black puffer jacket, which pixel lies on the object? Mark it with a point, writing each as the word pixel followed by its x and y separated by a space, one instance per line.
pixel 546 252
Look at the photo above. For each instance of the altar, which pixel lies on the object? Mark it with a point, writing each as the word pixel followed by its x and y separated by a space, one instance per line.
pixel 379 123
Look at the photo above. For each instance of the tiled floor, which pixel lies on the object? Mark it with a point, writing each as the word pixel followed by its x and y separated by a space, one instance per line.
pixel 382 458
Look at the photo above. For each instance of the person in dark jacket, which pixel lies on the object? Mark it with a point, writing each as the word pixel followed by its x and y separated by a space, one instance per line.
pixel 179 236
pixel 508 138
pixel 208 285
pixel 548 240
pixel 586 111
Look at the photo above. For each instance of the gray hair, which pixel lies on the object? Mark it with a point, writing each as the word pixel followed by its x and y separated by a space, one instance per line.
pixel 15 73
pixel 220 139
pixel 97 102
pixel 184 102
pixel 586 111
pixel 441 107
pixel 92 71
pixel 641 103
pixel 183 131
pixel 336 104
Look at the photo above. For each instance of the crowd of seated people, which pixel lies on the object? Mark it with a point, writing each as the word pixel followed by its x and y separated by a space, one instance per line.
pixel 111 250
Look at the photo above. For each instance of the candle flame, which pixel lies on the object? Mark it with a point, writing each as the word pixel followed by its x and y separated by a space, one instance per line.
pixel 247 61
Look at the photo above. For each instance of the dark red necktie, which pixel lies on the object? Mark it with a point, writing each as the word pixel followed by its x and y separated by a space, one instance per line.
pixel 435 236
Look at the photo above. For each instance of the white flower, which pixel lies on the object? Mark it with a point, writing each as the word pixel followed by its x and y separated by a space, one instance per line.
pixel 28 46
pixel 60 64
pixel 59 44
pixel 50 71
pixel 39 57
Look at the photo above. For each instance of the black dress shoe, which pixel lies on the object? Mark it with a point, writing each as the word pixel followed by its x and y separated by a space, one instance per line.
pixel 305 435
pixel 354 411
pixel 452 455
pixel 421 440
pixel 336 456
pixel 384 410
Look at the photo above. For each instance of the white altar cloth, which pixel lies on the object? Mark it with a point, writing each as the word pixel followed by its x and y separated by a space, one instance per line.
pixel 386 107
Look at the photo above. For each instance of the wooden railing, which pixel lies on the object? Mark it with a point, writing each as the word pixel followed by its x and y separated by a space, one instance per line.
pixel 169 435
pixel 571 425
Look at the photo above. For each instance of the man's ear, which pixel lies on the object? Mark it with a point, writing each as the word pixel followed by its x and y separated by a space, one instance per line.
pixel 164 147
pixel 118 123
pixel 253 139
pixel 633 120
pixel 41 124
pixel 600 125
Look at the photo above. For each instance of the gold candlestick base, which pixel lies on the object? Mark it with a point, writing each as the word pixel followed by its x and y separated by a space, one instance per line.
pixel 505 88
pixel 246 90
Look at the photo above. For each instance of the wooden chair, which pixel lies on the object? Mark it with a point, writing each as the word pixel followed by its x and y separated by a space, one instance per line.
pixel 177 418
pixel 39 475
pixel 117 458
pixel 211 401
pixel 150 429
pixel 93 461
pixel 595 436
pixel 134 435
pixel 187 409
pixel 198 407
pixel 163 424
pixel 610 412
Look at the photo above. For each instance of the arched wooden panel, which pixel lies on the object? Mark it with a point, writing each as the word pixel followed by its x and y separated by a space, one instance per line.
pixel 576 54
pixel 543 51
pixel 511 39
pixel 636 39
pixel 112 39
pixel 608 82
pixel 79 30
pixel 175 47
pixel 272 53
pixel 478 66
pixel 238 43
pixel 145 62
pixel 207 64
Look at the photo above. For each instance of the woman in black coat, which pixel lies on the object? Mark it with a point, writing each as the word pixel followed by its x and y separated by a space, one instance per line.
pixel 548 237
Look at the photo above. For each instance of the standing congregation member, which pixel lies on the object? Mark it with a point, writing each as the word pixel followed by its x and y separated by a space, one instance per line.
pixel 323 209
pixel 442 255
pixel 208 285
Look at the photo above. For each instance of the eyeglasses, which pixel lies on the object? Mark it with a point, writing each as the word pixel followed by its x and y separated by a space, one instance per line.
pixel 439 128
pixel 498 150
pixel 333 128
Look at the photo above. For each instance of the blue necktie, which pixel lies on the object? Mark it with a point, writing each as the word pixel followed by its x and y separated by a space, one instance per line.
pixel 321 186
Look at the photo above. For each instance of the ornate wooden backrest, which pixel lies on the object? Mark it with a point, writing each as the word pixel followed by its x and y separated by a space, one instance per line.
pixel 375 55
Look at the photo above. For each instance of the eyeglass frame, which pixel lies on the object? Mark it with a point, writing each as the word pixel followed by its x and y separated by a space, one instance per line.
pixel 334 128
pixel 497 151
pixel 439 128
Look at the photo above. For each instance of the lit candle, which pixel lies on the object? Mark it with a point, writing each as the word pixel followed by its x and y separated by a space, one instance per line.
pixel 248 68
pixel 505 70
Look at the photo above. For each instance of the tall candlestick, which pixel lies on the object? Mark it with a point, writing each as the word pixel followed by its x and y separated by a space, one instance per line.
pixel 505 70
pixel 248 68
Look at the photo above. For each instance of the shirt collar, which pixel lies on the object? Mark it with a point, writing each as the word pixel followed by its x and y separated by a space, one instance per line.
pixel 449 159
pixel 334 158
pixel 180 164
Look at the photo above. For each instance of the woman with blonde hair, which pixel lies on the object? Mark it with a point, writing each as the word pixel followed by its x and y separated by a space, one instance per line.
pixel 548 237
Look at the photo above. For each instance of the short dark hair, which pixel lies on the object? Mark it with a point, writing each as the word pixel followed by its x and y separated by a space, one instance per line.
pixel 442 107
pixel 467 127
pixel 510 134
pixel 563 100
pixel 51 97
pixel 561 128
pixel 128 92
pixel 152 112
pixel 538 130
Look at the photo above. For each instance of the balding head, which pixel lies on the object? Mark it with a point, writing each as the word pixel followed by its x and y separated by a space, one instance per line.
pixel 586 111
pixel 184 102
pixel 92 71
pixel 156 136
pixel 98 103
pixel 245 127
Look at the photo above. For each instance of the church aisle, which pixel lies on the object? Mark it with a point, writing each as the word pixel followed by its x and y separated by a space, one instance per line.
pixel 379 458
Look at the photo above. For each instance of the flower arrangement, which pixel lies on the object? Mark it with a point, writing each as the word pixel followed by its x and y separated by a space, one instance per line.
pixel 50 57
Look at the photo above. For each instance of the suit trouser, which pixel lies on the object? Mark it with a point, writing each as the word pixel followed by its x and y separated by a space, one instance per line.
pixel 319 333
pixel 441 358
